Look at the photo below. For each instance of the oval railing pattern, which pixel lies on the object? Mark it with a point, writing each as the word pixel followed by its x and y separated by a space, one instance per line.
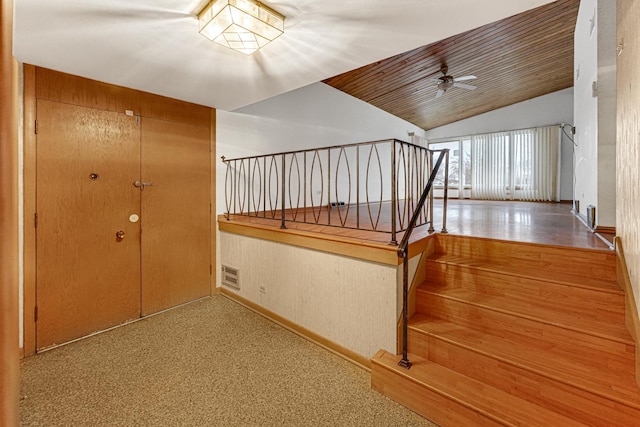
pixel 371 186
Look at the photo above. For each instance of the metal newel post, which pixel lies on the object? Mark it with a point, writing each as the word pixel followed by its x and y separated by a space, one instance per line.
pixel 404 362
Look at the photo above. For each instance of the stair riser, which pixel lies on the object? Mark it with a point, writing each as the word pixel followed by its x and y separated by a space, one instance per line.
pixel 556 395
pixel 595 264
pixel 424 401
pixel 523 330
pixel 596 304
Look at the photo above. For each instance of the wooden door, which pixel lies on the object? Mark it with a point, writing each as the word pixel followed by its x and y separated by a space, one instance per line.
pixel 175 220
pixel 87 278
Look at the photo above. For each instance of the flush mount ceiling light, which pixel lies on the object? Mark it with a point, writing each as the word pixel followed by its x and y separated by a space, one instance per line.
pixel 243 25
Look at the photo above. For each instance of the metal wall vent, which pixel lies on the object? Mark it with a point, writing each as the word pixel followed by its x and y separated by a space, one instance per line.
pixel 230 277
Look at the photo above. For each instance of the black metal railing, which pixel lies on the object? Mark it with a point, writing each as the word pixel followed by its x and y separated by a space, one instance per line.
pixel 372 186
pixel 403 247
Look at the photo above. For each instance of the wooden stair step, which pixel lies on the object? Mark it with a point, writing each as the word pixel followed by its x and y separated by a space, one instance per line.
pixel 521 329
pixel 583 322
pixel 612 380
pixel 595 263
pixel 450 398
pixel 535 272
pixel 602 299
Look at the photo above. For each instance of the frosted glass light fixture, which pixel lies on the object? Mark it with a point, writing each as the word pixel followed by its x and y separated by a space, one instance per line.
pixel 243 25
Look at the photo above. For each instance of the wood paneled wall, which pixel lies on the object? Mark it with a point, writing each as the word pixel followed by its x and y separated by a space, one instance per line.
pixel 41 83
pixel 9 355
pixel 628 143
pixel 61 87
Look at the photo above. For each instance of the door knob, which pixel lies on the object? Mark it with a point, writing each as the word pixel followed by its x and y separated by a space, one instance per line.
pixel 141 185
pixel 120 234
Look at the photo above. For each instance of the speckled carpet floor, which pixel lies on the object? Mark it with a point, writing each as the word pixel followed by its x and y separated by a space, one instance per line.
pixel 210 363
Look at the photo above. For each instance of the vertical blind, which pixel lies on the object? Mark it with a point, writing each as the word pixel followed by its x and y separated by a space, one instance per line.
pixel 516 165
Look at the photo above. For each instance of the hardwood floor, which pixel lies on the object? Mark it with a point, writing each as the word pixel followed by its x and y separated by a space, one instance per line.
pixel 545 223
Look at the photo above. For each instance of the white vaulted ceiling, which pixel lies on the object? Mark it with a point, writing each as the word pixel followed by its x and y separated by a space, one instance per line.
pixel 154 45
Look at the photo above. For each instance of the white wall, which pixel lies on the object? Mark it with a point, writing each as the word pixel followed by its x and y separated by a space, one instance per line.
pixel 594 116
pixel 350 302
pixel 313 116
pixel 607 135
pixel 553 108
pixel 333 111
pixel 586 112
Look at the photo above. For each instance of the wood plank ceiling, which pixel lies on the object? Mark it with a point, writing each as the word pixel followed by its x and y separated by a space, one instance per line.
pixel 515 59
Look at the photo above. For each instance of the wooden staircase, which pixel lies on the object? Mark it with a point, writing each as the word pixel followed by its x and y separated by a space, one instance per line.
pixel 516 334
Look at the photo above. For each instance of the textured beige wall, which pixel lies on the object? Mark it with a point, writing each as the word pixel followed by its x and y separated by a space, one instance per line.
pixel 628 143
pixel 350 302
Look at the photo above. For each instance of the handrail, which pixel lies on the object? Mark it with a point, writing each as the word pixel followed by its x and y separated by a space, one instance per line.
pixel 403 248
pixel 321 186
pixel 331 147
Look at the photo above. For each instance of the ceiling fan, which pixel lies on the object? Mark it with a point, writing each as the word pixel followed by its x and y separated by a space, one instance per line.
pixel 447 82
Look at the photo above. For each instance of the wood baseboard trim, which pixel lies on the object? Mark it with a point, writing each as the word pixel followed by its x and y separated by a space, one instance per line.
pixel 630 308
pixel 305 333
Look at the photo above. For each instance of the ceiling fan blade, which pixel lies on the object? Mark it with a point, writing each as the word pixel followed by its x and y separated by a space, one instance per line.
pixel 463 78
pixel 439 93
pixel 464 86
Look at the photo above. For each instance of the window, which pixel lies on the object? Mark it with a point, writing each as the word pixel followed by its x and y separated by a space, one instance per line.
pixel 459 163
pixel 512 165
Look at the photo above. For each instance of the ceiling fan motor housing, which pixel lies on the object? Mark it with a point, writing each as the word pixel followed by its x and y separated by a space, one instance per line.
pixel 445 83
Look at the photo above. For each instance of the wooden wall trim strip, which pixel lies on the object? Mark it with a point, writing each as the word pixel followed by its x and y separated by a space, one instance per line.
pixel 9 344
pixel 630 309
pixel 331 346
pixel 380 253
pixel 29 200
pixel 213 251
